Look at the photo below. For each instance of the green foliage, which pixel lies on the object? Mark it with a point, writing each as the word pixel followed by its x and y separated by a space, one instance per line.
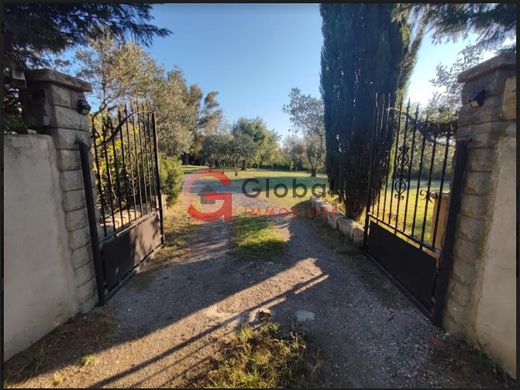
pixel 293 152
pixel 365 50
pixel 261 357
pixel 306 114
pixel 446 100
pixel 123 71
pixel 33 30
pixel 171 176
pixel 493 22
pixel 253 133
pixel 216 149
pixel 117 71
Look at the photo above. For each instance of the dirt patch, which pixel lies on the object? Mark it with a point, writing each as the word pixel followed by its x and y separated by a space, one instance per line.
pixel 68 352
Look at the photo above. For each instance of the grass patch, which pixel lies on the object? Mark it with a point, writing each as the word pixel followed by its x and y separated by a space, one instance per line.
pixel 263 357
pixel 257 237
pixel 187 169
pixel 179 229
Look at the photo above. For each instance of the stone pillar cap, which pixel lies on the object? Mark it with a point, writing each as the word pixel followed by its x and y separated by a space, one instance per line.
pixel 55 77
pixel 504 60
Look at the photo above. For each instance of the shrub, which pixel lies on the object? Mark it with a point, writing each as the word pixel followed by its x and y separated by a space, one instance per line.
pixel 171 178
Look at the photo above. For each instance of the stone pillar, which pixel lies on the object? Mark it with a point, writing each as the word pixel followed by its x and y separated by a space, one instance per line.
pixel 51 107
pixel 481 301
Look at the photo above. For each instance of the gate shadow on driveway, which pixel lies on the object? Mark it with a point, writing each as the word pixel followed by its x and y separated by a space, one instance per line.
pixel 170 319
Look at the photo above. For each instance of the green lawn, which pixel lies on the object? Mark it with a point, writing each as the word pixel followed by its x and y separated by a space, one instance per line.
pixel 187 169
pixel 423 214
pixel 403 214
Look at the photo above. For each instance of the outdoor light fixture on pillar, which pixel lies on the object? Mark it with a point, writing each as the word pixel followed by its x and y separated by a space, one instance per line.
pixel 83 107
pixel 478 98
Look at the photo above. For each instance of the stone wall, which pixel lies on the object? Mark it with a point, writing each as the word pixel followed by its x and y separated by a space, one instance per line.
pixel 336 220
pixel 481 301
pixel 50 106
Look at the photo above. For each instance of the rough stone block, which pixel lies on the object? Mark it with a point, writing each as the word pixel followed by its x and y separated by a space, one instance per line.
pixel 358 234
pixel 452 326
pixel 68 138
pixel 509 100
pixel 76 219
pixel 460 293
pixel 488 112
pixel 332 219
pixel 467 251
pixel 505 62
pixel 68 118
pixel 457 312
pixel 81 256
pixel 475 206
pixel 325 209
pixel 484 134
pixel 493 83
pixel 478 183
pixel 71 180
pixel 60 95
pixel 481 159
pixel 86 291
pixel 49 76
pixel 83 273
pixel 79 238
pixel 472 229
pixel 345 226
pixel 464 270
pixel 68 160
pixel 73 200
pixel 89 304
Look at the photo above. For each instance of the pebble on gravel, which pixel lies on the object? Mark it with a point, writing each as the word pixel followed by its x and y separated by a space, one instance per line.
pixel 304 315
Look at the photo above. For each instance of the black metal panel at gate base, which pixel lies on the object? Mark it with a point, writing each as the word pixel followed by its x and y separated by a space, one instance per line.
pixel 413 201
pixel 126 217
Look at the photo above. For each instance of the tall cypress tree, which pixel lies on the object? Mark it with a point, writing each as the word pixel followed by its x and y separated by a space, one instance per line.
pixel 366 50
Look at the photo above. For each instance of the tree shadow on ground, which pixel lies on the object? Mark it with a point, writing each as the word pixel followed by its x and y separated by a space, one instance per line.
pixel 368 332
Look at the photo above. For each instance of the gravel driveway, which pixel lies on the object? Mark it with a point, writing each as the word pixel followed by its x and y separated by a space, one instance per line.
pixel 170 319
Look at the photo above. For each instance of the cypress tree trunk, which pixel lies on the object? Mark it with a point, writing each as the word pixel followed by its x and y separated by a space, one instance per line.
pixel 363 52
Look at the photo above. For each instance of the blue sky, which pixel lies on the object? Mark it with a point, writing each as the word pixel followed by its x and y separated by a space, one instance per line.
pixel 253 54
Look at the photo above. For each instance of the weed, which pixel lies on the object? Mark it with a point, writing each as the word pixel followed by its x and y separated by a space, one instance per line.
pixel 486 364
pixel 57 379
pixel 262 356
pixel 88 359
pixel 105 327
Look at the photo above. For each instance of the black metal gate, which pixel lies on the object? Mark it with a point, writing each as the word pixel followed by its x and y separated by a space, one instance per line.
pixel 126 216
pixel 416 173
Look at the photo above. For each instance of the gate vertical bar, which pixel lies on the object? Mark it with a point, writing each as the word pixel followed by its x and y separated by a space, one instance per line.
pixel 116 176
pixel 156 158
pixel 92 221
pixel 98 175
pixel 125 173
pixel 446 264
